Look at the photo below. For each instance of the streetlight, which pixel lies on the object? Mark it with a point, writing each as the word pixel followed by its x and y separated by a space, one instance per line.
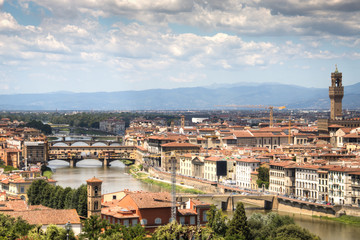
pixel 68 228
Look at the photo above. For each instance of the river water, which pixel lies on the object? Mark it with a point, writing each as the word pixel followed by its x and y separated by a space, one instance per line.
pixel 116 178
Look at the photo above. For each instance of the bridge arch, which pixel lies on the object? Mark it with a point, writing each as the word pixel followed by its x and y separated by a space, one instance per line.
pixel 79 144
pixel 99 144
pixel 115 144
pixel 61 144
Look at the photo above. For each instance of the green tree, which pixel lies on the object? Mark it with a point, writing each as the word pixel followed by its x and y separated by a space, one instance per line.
pixel 68 204
pixel 238 224
pixel 294 232
pixel 35 191
pixel 217 221
pixel 263 177
pixel 11 228
pixel 93 227
pixel 52 232
pixel 47 195
pixel 82 201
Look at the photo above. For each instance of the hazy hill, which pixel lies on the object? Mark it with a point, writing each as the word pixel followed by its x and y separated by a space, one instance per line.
pixel 183 98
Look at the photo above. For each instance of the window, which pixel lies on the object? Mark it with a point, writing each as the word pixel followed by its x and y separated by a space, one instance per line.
pixel 157 220
pixel 134 222
pixel 96 190
pixel 204 216
pixel 96 205
pixel 192 220
pixel 143 221
pixel 182 220
pixel 126 222
pixel 22 189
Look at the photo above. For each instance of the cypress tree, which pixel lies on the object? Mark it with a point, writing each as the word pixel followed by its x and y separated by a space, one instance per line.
pixel 238 226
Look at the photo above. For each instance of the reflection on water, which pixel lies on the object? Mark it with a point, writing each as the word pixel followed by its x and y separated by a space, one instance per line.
pixel 115 178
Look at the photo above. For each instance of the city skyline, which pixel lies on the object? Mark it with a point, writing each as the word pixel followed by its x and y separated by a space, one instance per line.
pixel 90 46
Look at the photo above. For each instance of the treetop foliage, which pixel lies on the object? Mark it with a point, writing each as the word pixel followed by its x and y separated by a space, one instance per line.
pixel 41 192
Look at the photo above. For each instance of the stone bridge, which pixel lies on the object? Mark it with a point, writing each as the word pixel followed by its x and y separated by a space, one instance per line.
pixel 105 153
pixel 229 200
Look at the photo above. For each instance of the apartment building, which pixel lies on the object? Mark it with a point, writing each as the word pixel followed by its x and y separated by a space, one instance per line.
pixel 282 177
pixel 210 168
pixel 323 185
pixel 306 181
pixel 355 188
pixel 244 168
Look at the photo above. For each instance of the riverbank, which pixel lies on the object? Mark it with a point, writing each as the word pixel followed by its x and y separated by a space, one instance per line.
pixel 146 178
pixel 343 219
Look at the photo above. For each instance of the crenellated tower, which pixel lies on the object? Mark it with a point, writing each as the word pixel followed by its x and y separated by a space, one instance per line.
pixel 336 94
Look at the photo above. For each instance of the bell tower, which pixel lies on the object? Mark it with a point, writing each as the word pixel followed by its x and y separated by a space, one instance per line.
pixel 336 94
pixel 94 196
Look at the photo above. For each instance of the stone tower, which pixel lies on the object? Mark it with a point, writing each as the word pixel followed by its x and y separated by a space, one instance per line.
pixel 94 196
pixel 336 94
pixel 182 121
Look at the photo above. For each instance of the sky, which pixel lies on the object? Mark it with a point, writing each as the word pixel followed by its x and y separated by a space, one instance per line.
pixel 118 45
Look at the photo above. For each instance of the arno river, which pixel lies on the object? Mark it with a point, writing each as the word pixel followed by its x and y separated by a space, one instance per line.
pixel 115 178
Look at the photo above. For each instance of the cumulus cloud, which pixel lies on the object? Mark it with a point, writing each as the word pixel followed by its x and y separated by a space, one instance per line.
pixel 261 17
pixel 139 43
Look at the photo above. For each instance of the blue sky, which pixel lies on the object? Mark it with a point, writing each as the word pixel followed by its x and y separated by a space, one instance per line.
pixel 117 45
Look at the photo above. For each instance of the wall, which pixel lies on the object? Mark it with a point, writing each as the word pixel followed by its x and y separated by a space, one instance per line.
pixel 206 187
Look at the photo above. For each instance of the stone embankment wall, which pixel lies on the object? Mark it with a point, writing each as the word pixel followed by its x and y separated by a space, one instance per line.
pixel 205 187
pixel 351 211
pixel 283 207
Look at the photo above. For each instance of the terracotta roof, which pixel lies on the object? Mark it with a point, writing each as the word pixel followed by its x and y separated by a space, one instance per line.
pixel 335 126
pixel 285 164
pixel 186 212
pixel 199 203
pixel 248 160
pixel 213 158
pixel 240 134
pixel 175 144
pixel 94 180
pixel 15 205
pixel 47 216
pixel 352 135
pixel 151 200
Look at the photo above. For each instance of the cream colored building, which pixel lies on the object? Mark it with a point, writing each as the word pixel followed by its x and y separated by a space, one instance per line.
pixel 282 177
pixel 210 168
pixel 306 181
pixel 244 168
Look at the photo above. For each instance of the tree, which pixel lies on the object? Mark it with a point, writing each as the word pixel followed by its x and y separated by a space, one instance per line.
pixel 11 228
pixel 35 191
pixel 52 232
pixel 93 227
pixel 217 221
pixel 68 204
pixel 263 177
pixel 294 232
pixel 82 200
pixel 274 226
pixel 238 224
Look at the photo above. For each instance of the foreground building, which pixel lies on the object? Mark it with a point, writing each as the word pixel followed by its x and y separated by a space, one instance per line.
pixel 152 210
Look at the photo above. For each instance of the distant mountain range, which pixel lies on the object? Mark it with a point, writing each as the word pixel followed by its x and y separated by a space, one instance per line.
pixel 196 98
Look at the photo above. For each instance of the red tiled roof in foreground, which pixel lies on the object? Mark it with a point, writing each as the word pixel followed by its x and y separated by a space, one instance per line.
pixel 47 216
pixel 151 200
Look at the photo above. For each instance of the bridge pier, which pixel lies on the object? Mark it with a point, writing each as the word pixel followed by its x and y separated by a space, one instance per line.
pixel 72 163
pixel 272 205
pixel 228 205
pixel 105 162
